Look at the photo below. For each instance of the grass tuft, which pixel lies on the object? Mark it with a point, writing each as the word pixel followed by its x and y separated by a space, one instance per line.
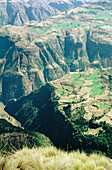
pixel 51 158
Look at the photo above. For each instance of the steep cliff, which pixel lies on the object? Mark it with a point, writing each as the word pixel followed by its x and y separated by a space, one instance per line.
pixel 37 53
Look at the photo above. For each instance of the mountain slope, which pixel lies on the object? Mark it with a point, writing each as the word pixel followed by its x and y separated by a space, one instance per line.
pixel 37 53
pixel 74 111
pixel 21 11
pixel 6 116
pixel 14 138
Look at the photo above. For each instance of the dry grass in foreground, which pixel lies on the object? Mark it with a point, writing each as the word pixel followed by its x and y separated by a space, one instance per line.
pixel 50 158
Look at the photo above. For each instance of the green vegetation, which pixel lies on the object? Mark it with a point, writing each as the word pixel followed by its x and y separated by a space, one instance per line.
pixel 95 85
pixel 84 10
pixel 39 31
pixel 90 11
pixel 68 87
pixel 57 26
pixel 99 24
pixel 64 25
pixel 103 105
pixel 74 77
pixel 102 24
pixel 40 139
pixel 104 15
pixel 97 88
pixel 79 83
pixel 97 91
pixel 61 92
pixel 97 15
pixel 71 99
pixel 92 76
pixel 89 143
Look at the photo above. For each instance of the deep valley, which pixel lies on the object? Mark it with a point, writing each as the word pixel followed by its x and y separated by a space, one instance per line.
pixel 56 78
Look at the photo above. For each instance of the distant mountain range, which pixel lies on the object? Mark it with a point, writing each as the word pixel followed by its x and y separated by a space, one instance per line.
pixel 18 12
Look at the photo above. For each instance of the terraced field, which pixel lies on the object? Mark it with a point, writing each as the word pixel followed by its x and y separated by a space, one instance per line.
pixel 88 89
pixel 77 18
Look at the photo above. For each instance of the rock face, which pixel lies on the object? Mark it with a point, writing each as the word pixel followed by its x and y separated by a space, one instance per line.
pixel 18 12
pixel 75 111
pixel 37 53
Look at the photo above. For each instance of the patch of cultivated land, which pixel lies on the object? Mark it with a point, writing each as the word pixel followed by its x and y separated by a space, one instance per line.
pixel 90 90
pixel 96 16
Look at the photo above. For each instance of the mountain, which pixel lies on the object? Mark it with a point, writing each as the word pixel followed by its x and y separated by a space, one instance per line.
pixel 14 138
pixel 36 53
pixel 18 12
pixel 75 111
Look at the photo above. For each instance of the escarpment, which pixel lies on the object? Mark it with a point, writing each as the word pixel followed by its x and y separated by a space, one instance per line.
pixel 36 53
pixel 24 69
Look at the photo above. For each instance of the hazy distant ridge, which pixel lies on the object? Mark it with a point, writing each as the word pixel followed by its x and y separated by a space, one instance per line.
pixel 18 12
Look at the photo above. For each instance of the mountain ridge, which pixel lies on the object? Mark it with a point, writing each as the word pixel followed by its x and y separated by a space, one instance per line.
pixel 19 12
pixel 14 138
pixel 77 107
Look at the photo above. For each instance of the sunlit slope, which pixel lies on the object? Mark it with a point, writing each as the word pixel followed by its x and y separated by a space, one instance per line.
pixel 13 138
pixel 90 90
pixel 74 111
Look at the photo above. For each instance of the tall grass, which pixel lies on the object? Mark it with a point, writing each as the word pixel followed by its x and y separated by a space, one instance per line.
pixel 50 158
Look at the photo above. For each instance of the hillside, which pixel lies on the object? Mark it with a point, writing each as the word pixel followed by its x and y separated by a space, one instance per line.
pixel 36 53
pixel 18 12
pixel 49 158
pixel 75 112
pixel 15 138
